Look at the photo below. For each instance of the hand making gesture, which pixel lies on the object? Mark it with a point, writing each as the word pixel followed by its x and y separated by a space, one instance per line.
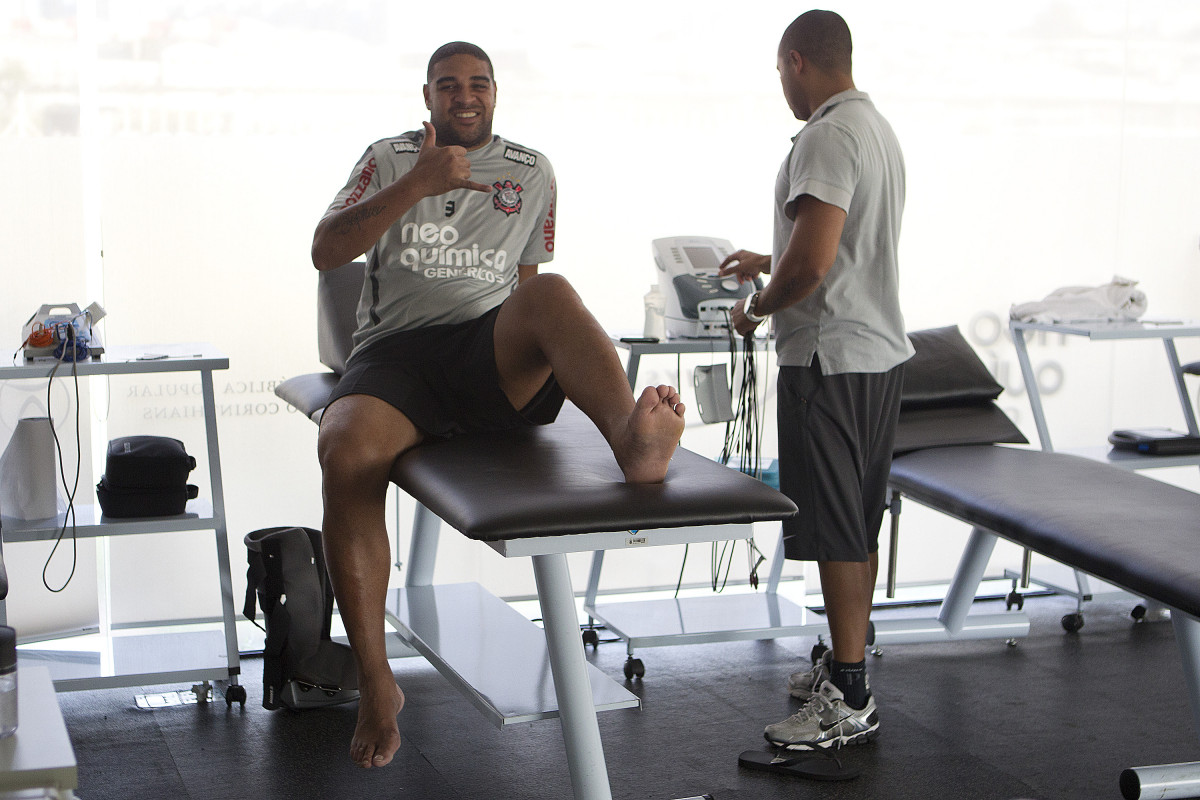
pixel 443 169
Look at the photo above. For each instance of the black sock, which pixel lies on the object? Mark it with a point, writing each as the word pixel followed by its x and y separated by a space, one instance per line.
pixel 851 681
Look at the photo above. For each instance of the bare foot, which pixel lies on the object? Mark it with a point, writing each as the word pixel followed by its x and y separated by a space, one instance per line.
pixel 643 450
pixel 377 737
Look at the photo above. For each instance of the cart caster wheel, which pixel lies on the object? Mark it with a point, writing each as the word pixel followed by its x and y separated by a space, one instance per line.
pixel 1011 642
pixel 634 668
pixel 1072 622
pixel 1014 598
pixel 1138 613
pixel 591 637
pixel 201 690
pixel 235 694
pixel 819 649
pixel 877 652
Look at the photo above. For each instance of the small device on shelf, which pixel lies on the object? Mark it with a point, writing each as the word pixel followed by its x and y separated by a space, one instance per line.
pixel 63 332
pixel 697 298
pixel 1155 441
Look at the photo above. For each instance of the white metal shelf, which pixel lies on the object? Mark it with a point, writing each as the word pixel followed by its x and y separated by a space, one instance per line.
pixel 107 658
pixel 90 522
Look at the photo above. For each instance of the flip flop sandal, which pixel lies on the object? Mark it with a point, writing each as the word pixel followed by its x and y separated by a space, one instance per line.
pixel 814 765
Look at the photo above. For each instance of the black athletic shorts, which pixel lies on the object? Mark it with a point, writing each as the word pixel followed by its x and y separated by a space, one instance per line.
pixel 444 379
pixel 835 452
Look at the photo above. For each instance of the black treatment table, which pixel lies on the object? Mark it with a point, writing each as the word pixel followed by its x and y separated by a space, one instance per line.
pixel 543 493
pixel 1134 532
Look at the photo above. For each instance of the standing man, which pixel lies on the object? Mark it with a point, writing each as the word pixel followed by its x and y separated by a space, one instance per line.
pixel 456 333
pixel 834 295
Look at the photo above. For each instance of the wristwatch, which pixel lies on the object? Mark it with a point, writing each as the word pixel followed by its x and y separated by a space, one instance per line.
pixel 751 307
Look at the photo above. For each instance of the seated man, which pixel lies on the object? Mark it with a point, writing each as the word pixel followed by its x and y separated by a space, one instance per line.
pixel 456 333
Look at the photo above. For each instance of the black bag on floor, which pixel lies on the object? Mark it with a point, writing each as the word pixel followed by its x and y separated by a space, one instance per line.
pixel 302 666
pixel 145 476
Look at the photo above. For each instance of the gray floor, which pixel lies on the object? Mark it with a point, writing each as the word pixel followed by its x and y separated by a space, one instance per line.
pixel 1058 716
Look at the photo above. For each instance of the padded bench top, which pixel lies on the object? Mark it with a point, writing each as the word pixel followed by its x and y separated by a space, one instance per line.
pixel 562 479
pixel 1136 532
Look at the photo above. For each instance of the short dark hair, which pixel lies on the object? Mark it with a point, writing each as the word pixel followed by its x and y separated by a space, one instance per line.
pixel 457 49
pixel 822 37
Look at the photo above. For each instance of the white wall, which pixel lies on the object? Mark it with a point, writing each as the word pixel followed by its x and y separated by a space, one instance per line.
pixel 1048 144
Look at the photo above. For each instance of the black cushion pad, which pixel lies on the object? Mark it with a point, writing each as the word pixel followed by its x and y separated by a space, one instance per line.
pixel 985 423
pixel 948 395
pixel 945 371
pixel 562 479
pixel 1138 533
pixel 337 308
pixel 308 393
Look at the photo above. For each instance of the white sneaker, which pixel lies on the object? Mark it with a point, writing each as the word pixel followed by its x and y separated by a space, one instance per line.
pixel 825 721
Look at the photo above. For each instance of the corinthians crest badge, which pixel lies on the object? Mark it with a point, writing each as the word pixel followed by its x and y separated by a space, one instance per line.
pixel 507 197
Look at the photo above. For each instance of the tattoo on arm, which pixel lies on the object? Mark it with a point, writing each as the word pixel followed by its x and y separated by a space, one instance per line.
pixel 353 219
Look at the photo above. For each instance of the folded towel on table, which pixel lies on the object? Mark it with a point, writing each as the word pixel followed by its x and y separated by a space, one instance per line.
pixel 1117 300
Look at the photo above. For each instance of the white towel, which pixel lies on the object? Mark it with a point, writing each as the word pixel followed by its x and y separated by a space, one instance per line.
pixel 1118 300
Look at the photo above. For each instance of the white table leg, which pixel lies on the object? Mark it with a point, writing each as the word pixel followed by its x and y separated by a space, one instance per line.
pixel 581 732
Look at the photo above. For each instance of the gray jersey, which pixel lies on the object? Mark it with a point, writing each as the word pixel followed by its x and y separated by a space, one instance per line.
pixel 452 257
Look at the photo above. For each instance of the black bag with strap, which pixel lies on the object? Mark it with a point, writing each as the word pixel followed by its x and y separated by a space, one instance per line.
pixel 146 476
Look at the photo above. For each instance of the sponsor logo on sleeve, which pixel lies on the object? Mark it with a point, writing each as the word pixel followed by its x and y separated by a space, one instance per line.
pixel 520 156
pixel 364 180
pixel 405 147
pixel 548 222
pixel 507 197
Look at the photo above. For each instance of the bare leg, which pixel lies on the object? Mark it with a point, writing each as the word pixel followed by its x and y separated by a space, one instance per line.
pixel 360 439
pixel 543 328
pixel 847 588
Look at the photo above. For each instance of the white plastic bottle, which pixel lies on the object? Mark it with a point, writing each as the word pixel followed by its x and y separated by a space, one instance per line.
pixel 655 326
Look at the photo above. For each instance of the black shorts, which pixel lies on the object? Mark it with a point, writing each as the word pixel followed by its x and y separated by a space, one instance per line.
pixel 835 452
pixel 444 379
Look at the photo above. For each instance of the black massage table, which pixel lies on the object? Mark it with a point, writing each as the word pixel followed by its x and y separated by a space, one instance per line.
pixel 1134 532
pixel 1139 534
pixel 544 493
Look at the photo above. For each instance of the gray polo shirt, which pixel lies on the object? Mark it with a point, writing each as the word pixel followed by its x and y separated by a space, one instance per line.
pixel 847 156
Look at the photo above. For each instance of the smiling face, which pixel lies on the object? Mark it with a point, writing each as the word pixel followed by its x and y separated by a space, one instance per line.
pixel 461 98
